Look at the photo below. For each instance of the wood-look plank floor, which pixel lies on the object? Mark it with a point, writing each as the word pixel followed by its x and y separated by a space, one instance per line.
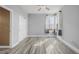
pixel 38 45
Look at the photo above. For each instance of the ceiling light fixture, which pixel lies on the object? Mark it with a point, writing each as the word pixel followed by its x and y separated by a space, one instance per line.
pixel 43 7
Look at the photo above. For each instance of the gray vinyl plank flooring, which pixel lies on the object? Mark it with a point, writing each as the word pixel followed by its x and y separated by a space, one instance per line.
pixel 39 45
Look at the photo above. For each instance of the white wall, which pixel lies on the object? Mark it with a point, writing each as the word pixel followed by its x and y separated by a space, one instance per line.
pixel 15 28
pixel 60 20
pixel 18 25
pixel 71 25
pixel 36 24
pixel 22 28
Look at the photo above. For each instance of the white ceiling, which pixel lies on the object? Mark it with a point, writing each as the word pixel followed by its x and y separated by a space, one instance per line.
pixel 34 9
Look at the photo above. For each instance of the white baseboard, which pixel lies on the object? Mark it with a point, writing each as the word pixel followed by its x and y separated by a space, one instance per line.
pixel 69 45
pixel 4 46
pixel 15 44
pixel 40 35
pixel 9 46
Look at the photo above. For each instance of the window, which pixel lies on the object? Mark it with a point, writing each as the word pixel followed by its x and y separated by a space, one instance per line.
pixel 51 22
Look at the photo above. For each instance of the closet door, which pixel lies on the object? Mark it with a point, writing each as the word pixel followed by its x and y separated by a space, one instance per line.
pixel 4 27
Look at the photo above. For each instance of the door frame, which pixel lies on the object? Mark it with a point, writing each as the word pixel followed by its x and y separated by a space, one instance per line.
pixel 10 32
